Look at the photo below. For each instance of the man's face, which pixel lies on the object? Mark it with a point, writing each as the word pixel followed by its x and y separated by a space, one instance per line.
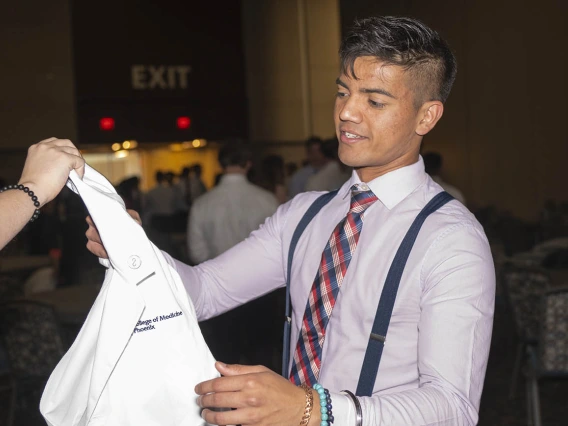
pixel 376 120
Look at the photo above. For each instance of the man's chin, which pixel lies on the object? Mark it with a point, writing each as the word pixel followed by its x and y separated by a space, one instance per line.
pixel 349 161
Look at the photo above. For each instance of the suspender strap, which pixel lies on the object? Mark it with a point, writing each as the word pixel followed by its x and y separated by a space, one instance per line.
pixel 386 303
pixel 304 222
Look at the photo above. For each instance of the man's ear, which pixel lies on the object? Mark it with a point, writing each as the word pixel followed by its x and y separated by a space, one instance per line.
pixel 430 113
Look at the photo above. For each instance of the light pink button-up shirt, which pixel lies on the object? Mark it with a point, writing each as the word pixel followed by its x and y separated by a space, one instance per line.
pixel 433 364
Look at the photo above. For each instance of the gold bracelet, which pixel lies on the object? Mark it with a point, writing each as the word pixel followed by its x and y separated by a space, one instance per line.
pixel 309 405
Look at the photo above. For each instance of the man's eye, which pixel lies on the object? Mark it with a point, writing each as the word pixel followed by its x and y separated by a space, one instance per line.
pixel 375 104
pixel 341 94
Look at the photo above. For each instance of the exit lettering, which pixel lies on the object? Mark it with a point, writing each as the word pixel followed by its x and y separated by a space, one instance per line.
pixel 151 77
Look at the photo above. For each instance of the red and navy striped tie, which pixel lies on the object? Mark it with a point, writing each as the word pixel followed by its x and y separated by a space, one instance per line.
pixel 335 260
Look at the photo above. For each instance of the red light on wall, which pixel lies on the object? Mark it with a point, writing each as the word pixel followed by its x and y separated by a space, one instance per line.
pixel 183 123
pixel 106 123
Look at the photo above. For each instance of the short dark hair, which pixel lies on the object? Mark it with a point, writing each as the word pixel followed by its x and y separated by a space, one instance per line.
pixel 408 43
pixel 234 153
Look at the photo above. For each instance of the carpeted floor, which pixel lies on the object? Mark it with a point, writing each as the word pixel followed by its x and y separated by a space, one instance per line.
pixel 496 407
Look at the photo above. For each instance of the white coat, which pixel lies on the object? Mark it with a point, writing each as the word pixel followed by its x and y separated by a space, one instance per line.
pixel 140 352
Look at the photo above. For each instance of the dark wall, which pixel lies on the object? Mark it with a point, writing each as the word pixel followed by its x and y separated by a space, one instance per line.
pixel 36 80
pixel 502 135
pixel 147 63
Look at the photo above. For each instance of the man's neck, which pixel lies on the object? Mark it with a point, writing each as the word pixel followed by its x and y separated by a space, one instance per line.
pixel 235 170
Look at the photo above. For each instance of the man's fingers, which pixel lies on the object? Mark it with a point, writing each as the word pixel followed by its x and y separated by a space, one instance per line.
pixel 241 416
pixel 223 400
pixel 94 243
pixel 221 384
pixel 237 369
pixel 97 249
pixel 61 142
pixel 92 234
pixel 47 140
pixel 76 162
pixel 79 166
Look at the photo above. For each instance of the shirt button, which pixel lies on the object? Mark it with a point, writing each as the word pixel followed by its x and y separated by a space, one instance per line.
pixel 364 187
pixel 134 262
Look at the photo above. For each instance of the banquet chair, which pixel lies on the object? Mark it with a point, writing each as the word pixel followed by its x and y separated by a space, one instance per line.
pixel 549 358
pixel 523 287
pixel 32 341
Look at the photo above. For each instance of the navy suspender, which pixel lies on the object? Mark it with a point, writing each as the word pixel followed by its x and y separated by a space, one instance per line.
pixel 386 303
pixel 306 219
pixel 379 330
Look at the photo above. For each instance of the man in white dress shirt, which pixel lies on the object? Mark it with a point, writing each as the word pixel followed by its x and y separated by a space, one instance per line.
pixel 395 76
pixel 228 213
pixel 160 200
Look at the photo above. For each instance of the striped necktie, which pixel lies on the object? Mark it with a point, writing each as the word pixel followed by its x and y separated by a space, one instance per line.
pixel 333 266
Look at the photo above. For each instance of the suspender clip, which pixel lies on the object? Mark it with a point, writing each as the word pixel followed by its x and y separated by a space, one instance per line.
pixel 378 337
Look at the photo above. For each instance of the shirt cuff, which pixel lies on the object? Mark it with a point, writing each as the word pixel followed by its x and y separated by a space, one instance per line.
pixel 343 409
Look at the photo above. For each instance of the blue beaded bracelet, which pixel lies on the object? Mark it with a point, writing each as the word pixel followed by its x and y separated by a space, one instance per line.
pixel 325 405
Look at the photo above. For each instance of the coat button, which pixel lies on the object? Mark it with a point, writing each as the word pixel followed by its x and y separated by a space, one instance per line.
pixel 134 262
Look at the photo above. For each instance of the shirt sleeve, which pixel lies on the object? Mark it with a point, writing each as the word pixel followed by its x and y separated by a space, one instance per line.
pixel 457 303
pixel 245 272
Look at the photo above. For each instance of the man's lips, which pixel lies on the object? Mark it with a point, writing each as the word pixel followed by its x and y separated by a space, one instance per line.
pixel 350 137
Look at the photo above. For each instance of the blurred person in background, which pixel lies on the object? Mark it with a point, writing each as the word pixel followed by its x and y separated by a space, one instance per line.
pixel 291 168
pixel 218 177
pixel 331 174
pixel 220 219
pixel 273 176
pixel 189 187
pixel 129 191
pixel 433 163
pixel 160 200
pixel 45 173
pixel 170 177
pixel 197 187
pixel 228 213
pixel 183 193
pixel 315 160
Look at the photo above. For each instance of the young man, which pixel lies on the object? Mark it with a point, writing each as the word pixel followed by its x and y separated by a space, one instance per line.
pixel 396 75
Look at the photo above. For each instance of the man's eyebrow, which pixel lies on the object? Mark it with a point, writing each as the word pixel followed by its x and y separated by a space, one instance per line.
pixel 339 82
pixel 379 91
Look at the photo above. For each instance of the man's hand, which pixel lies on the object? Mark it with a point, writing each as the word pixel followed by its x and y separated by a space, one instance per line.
pixel 94 243
pixel 258 395
pixel 48 165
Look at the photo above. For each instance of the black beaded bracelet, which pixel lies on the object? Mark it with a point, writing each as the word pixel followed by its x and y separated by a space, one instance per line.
pixel 30 193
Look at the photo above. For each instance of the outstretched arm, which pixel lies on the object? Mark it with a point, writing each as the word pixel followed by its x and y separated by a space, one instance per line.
pixel 45 172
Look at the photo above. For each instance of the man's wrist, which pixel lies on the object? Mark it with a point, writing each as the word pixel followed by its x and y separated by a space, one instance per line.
pixel 33 187
pixel 315 420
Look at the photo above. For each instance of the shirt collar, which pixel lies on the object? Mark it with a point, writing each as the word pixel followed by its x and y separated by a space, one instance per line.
pixel 394 186
pixel 232 177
